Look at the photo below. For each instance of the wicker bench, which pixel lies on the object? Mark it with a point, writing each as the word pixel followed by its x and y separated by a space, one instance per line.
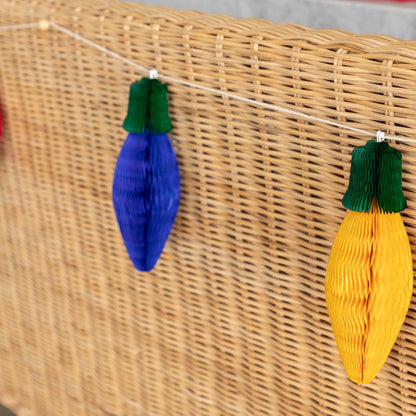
pixel 232 321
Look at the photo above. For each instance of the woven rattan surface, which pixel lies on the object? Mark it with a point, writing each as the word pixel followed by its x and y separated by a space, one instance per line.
pixel 232 321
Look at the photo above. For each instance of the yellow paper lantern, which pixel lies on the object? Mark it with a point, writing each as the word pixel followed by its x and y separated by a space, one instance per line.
pixel 369 277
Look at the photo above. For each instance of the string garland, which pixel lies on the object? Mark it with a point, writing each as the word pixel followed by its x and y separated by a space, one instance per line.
pixel 44 25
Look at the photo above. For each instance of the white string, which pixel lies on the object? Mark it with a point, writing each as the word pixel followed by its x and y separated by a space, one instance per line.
pixel 201 87
pixel 21 26
pixel 96 46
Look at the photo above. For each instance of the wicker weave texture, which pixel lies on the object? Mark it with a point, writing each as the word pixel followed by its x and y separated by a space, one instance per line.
pixel 232 321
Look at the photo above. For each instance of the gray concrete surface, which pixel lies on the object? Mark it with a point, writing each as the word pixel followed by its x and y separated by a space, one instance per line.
pixel 5 412
pixel 394 19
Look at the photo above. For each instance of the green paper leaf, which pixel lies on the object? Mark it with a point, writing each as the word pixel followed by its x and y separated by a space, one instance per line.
pixel 137 114
pixel 389 185
pixel 376 172
pixel 159 121
pixel 148 107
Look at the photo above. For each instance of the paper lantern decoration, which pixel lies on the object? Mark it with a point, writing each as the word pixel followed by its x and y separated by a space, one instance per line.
pixel 146 187
pixel 369 279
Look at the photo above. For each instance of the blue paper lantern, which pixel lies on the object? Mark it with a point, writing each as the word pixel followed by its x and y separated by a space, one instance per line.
pixel 146 186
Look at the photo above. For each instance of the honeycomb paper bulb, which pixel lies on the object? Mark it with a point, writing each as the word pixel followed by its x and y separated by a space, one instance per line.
pixel 146 185
pixel 368 289
pixel 369 277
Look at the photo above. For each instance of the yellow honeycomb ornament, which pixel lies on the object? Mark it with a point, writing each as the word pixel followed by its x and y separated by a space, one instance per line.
pixel 369 278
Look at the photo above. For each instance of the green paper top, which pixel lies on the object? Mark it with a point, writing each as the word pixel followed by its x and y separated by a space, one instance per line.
pixel 376 172
pixel 148 107
pixel 135 121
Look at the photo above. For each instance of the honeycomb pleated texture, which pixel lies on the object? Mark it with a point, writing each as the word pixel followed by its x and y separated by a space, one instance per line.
pixel 146 192
pixel 368 288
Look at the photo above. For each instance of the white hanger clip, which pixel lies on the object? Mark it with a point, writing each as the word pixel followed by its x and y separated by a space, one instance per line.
pixel 380 136
pixel 153 74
